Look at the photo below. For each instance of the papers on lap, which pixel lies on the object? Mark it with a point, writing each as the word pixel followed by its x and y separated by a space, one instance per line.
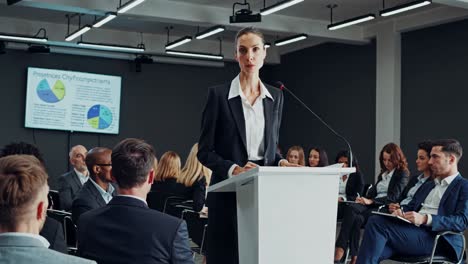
pixel 393 216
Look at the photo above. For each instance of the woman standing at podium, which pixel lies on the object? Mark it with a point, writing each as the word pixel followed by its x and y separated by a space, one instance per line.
pixel 240 130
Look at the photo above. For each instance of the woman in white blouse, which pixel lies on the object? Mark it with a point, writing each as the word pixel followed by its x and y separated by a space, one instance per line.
pixel 391 181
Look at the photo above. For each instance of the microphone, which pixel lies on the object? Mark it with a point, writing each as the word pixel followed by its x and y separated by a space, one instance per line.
pixel 282 87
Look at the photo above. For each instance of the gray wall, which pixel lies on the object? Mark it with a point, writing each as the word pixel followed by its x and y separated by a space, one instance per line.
pixel 337 81
pixel 434 87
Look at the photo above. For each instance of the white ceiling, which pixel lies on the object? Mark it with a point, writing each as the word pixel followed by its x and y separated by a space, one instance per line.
pixel 153 16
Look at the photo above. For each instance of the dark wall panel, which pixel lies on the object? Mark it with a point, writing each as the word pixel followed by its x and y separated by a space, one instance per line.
pixel 434 86
pixel 337 81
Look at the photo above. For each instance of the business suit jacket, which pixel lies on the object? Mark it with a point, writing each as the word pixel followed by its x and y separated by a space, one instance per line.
pixel 88 198
pixel 395 188
pixel 354 186
pixel 453 210
pixel 69 185
pixel 26 250
pixel 53 232
pixel 223 137
pixel 127 231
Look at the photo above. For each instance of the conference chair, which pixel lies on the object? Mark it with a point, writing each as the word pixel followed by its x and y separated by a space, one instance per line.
pixel 197 230
pixel 54 200
pixel 435 257
pixel 70 235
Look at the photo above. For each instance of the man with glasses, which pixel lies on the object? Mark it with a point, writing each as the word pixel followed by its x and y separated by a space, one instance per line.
pixel 98 190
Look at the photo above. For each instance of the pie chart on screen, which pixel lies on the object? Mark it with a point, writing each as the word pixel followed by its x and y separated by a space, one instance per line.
pixel 48 94
pixel 99 116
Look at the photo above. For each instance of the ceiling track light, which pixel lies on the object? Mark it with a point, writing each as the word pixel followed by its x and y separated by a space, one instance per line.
pixel 110 47
pixel 352 21
pixel 108 17
pixel 267 45
pixel 195 55
pixel 210 32
pixel 405 7
pixel 178 42
pixel 129 5
pixel 347 22
pixel 22 38
pixel 78 33
pixel 291 39
pixel 278 6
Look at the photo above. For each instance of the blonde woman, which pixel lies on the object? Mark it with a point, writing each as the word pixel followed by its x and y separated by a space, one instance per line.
pixel 296 155
pixel 166 174
pixel 195 177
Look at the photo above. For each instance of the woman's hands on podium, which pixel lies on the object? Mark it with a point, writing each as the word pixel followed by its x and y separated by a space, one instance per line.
pixel 238 170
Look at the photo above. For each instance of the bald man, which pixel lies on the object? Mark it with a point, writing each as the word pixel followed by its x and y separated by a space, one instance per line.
pixel 98 190
pixel 71 182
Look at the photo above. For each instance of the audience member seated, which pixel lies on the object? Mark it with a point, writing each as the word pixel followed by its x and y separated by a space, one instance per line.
pixel 126 230
pixel 165 178
pixel 416 181
pixel 71 182
pixel 318 157
pixel 52 229
pixel 350 185
pixel 390 184
pixel 98 190
pixel 193 180
pixel 23 211
pixel 440 205
pixel 296 155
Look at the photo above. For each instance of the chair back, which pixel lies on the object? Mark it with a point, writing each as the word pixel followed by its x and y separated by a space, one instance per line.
pixel 54 199
pixel 197 229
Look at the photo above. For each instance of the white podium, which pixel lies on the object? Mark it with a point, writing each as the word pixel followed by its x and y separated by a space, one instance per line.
pixel 286 214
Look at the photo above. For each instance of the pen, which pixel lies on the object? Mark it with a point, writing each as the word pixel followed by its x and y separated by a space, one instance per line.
pixel 358 195
pixel 402 212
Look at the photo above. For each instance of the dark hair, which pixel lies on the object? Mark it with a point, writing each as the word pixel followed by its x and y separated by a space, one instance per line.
pixel 132 160
pixel 323 161
pixel 93 157
pixel 345 153
pixel 397 157
pixel 426 146
pixel 21 180
pixel 16 148
pixel 450 146
pixel 249 30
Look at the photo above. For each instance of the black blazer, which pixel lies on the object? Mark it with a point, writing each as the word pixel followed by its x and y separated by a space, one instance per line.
pixel 69 186
pixel 53 232
pixel 88 198
pixel 395 188
pixel 127 231
pixel 222 141
pixel 354 185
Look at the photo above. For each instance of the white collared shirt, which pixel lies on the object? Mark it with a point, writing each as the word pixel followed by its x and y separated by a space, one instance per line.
pixel 43 241
pixel 106 195
pixel 83 178
pixel 382 186
pixel 254 120
pixel 134 197
pixel 342 189
pixel 432 201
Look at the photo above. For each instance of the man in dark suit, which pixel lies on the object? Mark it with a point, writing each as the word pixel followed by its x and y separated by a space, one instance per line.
pixel 71 182
pixel 98 190
pixel 439 205
pixel 126 230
